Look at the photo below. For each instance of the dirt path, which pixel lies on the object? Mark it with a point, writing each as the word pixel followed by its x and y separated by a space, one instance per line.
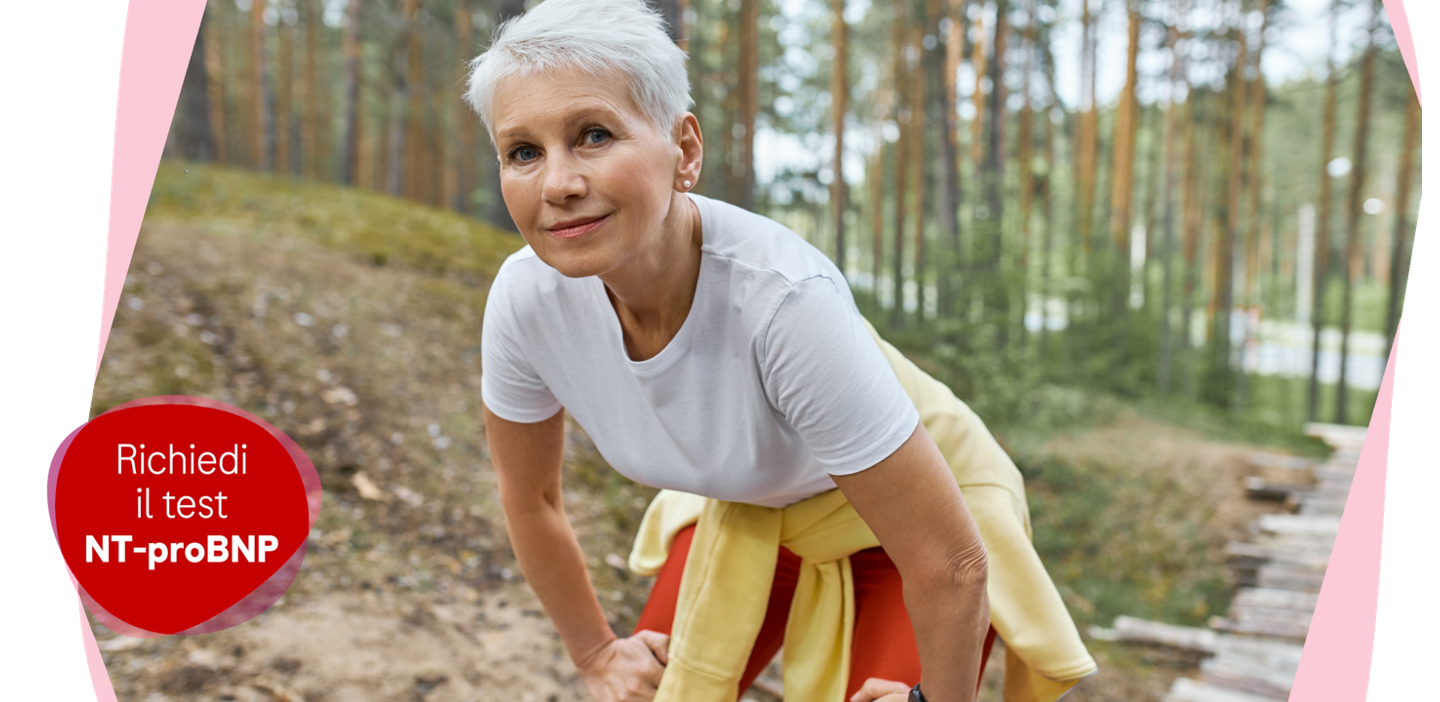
pixel 360 646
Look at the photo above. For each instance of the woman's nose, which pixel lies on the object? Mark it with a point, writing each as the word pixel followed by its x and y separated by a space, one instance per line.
pixel 563 180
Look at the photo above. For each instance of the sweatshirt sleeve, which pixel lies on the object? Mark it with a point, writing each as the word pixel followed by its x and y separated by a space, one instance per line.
pixel 823 372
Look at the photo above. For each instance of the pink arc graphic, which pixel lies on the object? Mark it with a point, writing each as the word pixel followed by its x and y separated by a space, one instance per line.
pixel 158 39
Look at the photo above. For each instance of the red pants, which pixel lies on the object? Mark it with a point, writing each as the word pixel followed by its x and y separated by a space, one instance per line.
pixel 883 645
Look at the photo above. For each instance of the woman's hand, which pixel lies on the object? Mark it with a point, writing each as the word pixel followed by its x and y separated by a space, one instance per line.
pixel 627 670
pixel 877 690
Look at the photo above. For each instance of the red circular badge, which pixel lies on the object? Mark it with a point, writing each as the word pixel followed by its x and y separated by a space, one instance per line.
pixel 181 514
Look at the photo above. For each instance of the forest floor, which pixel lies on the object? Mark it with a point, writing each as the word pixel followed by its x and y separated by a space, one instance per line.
pixel 337 317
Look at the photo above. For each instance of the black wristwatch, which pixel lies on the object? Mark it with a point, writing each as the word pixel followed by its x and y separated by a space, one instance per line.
pixel 915 695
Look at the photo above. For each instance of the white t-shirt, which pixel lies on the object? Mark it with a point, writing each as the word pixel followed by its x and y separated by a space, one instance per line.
pixel 772 384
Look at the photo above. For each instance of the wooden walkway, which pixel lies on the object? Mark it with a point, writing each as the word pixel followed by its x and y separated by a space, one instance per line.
pixel 1252 655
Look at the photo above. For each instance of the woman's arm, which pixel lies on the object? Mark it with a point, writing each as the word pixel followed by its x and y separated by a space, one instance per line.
pixel 911 502
pixel 527 459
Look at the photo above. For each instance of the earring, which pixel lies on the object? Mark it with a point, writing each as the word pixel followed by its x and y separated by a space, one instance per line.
pixel 687 184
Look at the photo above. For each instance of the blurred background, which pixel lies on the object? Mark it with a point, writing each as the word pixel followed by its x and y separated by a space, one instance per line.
pixel 1148 240
pixel 1154 197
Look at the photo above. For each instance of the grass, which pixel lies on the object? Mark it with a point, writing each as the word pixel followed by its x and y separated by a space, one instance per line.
pixel 1277 400
pixel 1118 541
pixel 372 227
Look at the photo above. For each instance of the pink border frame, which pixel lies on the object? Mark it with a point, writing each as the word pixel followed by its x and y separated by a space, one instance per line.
pixel 158 39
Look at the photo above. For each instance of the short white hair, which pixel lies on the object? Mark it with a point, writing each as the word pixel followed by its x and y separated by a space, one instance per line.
pixel 595 36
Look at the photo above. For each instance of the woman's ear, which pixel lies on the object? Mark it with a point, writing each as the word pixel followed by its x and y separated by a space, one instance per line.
pixel 692 152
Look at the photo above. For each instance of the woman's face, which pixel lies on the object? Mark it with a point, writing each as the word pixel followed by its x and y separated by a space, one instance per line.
pixel 587 179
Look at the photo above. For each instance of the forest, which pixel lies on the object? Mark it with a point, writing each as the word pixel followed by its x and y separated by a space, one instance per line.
pixel 1200 201
pixel 1146 240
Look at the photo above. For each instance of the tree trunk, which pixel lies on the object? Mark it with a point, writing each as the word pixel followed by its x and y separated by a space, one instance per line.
pixel 729 117
pixel 283 96
pixel 877 221
pixel 191 137
pixel 1047 196
pixel 1400 242
pixel 1167 198
pixel 1252 231
pixel 217 68
pixel 259 152
pixel 670 11
pixel 1221 370
pixel 1085 129
pixel 1123 181
pixel 1025 159
pixel 314 98
pixel 415 111
pixel 460 162
pixel 1256 151
pixel 839 93
pixel 1352 214
pixel 406 111
pixel 1150 211
pixel 902 170
pixel 350 161
pixel 994 178
pixel 695 44
pixel 1191 221
pixel 440 182
pixel 1322 220
pixel 918 105
pixel 950 154
pixel 684 18
pixel 977 98
pixel 749 67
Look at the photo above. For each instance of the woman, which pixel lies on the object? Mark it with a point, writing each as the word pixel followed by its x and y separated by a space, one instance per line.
pixel 707 350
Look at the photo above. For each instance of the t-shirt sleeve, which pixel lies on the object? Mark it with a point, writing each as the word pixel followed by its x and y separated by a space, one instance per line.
pixel 509 383
pixel 824 372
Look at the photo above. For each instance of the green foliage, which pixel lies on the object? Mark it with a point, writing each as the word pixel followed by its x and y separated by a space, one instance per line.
pixel 375 228
pixel 1119 542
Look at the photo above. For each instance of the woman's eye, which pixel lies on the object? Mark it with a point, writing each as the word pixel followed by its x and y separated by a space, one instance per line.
pixel 596 136
pixel 523 153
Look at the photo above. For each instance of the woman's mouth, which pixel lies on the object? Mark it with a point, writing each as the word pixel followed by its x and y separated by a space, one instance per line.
pixel 577 227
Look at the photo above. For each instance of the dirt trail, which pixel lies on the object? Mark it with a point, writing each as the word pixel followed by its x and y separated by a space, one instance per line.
pixel 366 646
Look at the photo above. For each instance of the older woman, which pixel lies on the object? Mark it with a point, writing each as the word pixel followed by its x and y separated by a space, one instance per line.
pixel 711 352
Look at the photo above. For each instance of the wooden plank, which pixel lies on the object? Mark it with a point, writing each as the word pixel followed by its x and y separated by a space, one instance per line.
pixel 1245 554
pixel 1256 612
pixel 1256 488
pixel 1311 544
pixel 1294 524
pixel 1256 596
pixel 1285 578
pixel 1342 474
pixel 1245 675
pixel 1159 633
pixel 1322 508
pixel 1274 628
pixel 1276 654
pixel 1341 436
pixel 1187 690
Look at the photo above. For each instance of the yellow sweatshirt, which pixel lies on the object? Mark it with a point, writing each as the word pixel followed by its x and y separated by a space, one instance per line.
pixel 725 590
